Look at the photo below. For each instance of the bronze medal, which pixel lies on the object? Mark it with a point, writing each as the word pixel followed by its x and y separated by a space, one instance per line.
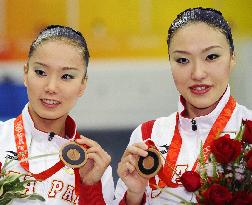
pixel 150 165
pixel 73 155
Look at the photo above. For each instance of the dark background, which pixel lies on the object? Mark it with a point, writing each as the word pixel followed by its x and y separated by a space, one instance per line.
pixel 113 141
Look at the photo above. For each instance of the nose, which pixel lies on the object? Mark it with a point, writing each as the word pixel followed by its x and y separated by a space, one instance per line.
pixel 51 85
pixel 198 71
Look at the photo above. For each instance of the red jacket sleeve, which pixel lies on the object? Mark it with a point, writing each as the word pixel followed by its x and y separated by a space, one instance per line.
pixel 123 201
pixel 91 194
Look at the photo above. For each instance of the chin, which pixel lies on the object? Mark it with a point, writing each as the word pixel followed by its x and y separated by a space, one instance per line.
pixel 203 105
pixel 46 117
pixel 49 116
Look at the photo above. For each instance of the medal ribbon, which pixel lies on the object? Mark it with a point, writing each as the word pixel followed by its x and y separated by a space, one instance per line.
pixel 152 181
pixel 166 172
pixel 22 151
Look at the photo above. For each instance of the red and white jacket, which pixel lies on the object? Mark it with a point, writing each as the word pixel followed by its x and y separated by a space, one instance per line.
pixel 59 189
pixel 162 134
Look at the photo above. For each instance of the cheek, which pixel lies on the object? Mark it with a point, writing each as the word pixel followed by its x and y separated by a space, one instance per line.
pixel 227 71
pixel 72 93
pixel 179 76
pixel 31 85
pixel 221 72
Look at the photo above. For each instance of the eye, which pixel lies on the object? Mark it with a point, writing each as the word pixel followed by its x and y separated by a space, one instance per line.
pixel 40 72
pixel 67 77
pixel 212 57
pixel 182 60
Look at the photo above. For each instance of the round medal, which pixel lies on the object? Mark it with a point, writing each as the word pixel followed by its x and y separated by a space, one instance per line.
pixel 150 165
pixel 73 155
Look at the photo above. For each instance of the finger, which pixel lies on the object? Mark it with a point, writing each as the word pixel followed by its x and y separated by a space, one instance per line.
pixel 130 158
pixel 97 149
pixel 129 161
pixel 101 152
pixel 87 141
pixel 87 166
pixel 99 161
pixel 125 168
pixel 137 150
pixel 130 168
pixel 141 145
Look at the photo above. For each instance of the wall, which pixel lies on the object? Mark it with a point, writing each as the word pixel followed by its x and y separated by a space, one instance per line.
pixel 113 29
pixel 124 93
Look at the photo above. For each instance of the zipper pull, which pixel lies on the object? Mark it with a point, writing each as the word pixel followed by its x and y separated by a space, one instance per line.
pixel 194 125
pixel 51 136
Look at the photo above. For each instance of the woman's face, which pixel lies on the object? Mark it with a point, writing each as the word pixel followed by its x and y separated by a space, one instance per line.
pixel 201 63
pixel 54 79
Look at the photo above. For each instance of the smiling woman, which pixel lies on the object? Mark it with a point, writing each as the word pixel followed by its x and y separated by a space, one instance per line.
pixel 201 53
pixel 200 71
pixel 54 81
pixel 55 76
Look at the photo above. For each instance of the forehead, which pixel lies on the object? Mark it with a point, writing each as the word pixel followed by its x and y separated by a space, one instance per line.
pixel 58 52
pixel 200 34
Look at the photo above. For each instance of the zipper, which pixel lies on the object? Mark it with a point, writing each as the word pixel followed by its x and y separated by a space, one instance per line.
pixel 51 136
pixel 198 138
pixel 194 124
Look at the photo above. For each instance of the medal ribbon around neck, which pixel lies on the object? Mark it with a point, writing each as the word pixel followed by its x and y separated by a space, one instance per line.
pixel 22 152
pixel 166 172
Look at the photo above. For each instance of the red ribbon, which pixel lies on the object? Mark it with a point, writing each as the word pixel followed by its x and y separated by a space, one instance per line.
pixel 166 172
pixel 22 152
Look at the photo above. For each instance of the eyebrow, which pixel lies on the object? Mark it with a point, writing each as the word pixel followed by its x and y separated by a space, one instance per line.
pixel 42 64
pixel 211 47
pixel 63 68
pixel 204 50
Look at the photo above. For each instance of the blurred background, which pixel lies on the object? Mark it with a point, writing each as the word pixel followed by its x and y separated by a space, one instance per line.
pixel 129 76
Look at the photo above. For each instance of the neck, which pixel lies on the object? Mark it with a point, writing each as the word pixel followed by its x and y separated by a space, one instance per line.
pixel 193 112
pixel 48 125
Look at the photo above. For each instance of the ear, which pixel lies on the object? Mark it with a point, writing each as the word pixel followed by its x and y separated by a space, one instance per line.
pixel 232 61
pixel 25 74
pixel 83 86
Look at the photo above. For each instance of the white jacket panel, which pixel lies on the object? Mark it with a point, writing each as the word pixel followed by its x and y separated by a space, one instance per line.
pixel 57 189
pixel 162 133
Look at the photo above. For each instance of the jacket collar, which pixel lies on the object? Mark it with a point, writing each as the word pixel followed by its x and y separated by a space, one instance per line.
pixel 33 133
pixel 203 122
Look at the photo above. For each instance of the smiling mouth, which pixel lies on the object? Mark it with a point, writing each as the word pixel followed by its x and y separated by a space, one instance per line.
pixel 200 89
pixel 50 103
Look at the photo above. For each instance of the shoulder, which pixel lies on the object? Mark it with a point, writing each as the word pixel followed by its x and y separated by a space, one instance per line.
pixel 247 113
pixel 243 112
pixel 162 123
pixel 6 127
pixel 6 139
pixel 160 126
pixel 169 121
pixel 239 114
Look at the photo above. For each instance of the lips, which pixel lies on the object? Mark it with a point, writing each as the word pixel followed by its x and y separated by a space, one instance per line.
pixel 50 103
pixel 200 89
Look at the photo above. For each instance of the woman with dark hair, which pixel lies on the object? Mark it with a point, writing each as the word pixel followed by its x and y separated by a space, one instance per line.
pixel 201 54
pixel 55 76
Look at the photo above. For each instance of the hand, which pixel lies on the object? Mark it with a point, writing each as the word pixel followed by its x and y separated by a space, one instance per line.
pixel 97 162
pixel 127 172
